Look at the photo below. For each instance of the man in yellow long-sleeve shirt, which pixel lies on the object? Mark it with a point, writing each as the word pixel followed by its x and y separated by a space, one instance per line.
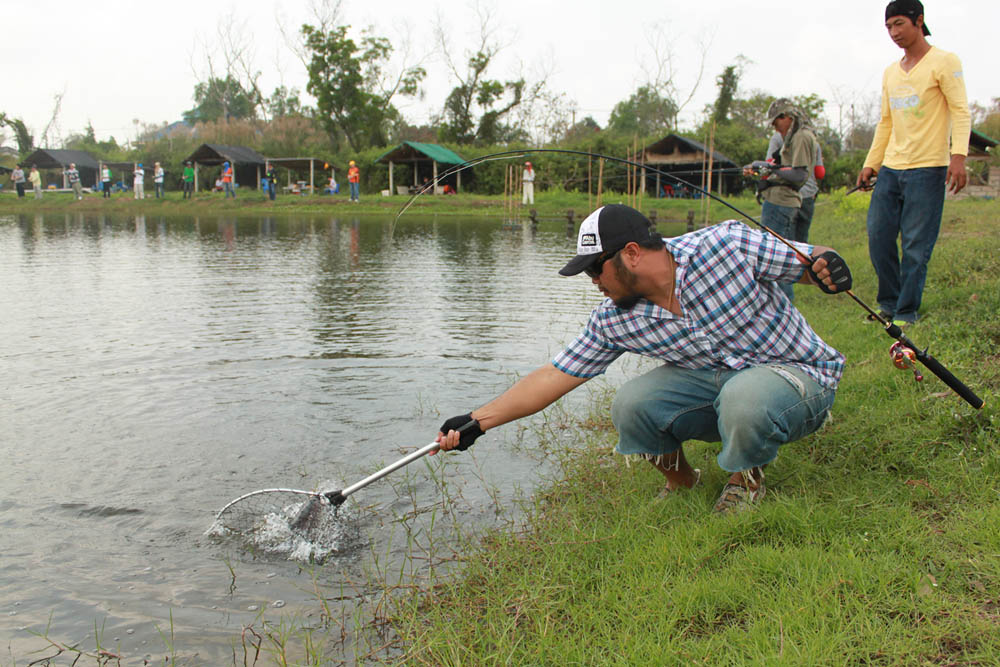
pixel 923 102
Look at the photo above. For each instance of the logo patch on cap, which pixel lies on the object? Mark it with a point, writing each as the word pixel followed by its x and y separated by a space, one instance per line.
pixel 588 240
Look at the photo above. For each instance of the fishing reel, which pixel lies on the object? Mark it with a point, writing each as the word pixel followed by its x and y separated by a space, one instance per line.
pixel 770 174
pixel 905 359
pixel 864 188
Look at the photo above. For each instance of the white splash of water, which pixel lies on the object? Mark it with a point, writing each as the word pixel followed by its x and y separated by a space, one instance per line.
pixel 335 531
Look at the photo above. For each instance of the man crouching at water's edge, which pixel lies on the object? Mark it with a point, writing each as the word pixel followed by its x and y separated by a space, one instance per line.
pixel 741 365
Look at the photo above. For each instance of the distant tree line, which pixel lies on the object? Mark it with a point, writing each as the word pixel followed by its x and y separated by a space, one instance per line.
pixel 357 80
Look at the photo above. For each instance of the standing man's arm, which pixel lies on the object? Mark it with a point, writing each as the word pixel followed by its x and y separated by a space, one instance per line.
pixel 952 83
pixel 532 393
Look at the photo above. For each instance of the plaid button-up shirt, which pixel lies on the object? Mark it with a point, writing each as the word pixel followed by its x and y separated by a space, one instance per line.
pixel 734 314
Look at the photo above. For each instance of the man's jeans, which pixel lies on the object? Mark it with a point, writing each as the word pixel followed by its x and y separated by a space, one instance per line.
pixel 355 192
pixel 751 411
pixel 906 204
pixel 803 219
pixel 229 189
pixel 782 220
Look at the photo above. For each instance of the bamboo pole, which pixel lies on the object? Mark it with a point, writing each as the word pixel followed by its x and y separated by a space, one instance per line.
pixel 711 160
pixel 519 185
pixel 590 173
pixel 635 170
pixel 704 162
pixel 628 178
pixel 600 180
pixel 642 181
pixel 510 192
pixel 506 188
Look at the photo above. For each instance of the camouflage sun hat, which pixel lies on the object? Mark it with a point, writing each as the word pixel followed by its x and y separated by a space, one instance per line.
pixel 779 107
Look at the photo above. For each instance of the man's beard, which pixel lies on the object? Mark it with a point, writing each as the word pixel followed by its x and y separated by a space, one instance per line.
pixel 628 281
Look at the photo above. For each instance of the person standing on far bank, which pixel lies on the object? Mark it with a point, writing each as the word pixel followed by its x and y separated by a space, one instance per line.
pixel 158 179
pixel 528 183
pixel 354 180
pixel 17 177
pixel 227 180
pixel 923 96
pixel 35 179
pixel 106 181
pixel 73 176
pixel 272 177
pixel 139 182
pixel 187 177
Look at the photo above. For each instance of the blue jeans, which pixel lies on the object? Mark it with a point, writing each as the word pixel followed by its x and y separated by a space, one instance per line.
pixel 907 204
pixel 230 190
pixel 355 192
pixel 782 220
pixel 751 411
pixel 803 219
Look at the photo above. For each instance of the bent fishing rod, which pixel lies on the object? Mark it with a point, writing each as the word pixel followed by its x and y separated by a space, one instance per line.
pixel 892 330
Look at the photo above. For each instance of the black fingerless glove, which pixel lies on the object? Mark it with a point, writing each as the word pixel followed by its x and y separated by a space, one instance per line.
pixel 467 426
pixel 839 273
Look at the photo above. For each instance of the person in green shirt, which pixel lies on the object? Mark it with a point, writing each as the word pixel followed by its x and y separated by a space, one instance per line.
pixel 187 178
pixel 781 198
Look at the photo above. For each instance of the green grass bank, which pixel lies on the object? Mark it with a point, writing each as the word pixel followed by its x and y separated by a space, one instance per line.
pixel 547 205
pixel 878 541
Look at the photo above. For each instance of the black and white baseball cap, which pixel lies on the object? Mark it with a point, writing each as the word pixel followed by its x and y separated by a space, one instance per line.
pixel 604 232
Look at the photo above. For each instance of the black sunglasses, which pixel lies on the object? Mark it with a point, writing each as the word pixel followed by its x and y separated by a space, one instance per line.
pixel 597 268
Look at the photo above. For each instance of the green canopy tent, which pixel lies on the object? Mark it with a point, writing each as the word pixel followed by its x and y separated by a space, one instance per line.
pixel 418 154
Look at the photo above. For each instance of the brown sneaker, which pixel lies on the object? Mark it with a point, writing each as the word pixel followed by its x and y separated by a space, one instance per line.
pixel 736 498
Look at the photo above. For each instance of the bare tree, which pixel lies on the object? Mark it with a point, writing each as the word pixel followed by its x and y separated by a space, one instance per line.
pixel 495 99
pixel 662 66
pixel 323 15
pixel 389 79
pixel 229 58
pixel 544 115
pixel 857 114
pixel 51 135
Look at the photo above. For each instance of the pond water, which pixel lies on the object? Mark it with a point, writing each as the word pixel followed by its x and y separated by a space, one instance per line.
pixel 155 368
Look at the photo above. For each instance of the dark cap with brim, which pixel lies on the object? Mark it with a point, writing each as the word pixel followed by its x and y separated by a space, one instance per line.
pixel 911 9
pixel 604 232
pixel 780 107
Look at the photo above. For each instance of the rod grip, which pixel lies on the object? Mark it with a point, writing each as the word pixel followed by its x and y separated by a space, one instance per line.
pixel 946 376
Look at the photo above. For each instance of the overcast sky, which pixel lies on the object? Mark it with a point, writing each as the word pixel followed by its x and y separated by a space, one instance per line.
pixel 118 62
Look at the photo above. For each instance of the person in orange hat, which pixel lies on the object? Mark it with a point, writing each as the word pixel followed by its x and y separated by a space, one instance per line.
pixel 528 181
pixel 354 179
